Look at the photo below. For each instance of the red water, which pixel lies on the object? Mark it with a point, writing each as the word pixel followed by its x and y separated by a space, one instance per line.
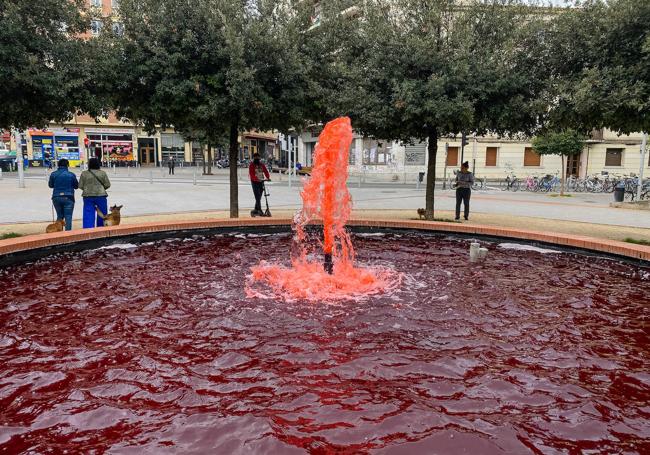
pixel 325 199
pixel 156 350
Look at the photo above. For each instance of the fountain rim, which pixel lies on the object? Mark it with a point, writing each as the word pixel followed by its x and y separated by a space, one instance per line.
pixel 25 249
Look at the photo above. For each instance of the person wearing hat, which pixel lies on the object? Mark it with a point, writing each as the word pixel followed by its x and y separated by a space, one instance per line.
pixel 464 182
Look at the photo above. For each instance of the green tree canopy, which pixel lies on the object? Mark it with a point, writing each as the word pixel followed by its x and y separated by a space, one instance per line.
pixel 216 66
pixel 42 61
pixel 598 66
pixel 424 69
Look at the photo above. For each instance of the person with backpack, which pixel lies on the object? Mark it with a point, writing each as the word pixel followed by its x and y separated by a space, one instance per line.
pixel 63 183
pixel 94 182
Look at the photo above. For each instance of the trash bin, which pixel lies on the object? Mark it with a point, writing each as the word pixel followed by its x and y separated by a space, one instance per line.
pixel 619 193
pixel 421 177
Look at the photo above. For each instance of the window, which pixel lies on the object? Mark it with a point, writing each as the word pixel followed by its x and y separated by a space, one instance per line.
pixel 173 145
pixel 96 27
pixel 452 156
pixel 351 153
pixel 375 153
pixel 532 158
pixel 491 156
pixel 118 28
pixel 614 157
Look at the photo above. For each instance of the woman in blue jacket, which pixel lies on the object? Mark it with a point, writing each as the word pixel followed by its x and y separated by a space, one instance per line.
pixel 63 183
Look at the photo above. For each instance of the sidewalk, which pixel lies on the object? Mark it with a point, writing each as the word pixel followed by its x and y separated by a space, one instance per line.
pixel 490 219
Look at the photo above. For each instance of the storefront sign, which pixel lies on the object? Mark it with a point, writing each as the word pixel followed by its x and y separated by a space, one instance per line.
pixel 42 147
pixel 67 147
pixel 118 151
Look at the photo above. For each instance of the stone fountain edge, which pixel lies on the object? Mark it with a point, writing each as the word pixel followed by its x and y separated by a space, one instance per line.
pixel 11 249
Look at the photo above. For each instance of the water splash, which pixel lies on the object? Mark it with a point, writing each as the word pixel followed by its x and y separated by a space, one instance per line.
pixel 325 199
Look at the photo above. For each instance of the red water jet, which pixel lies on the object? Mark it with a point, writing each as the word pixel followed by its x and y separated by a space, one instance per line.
pixel 325 198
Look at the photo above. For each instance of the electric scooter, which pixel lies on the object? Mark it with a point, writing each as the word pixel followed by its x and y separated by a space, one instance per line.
pixel 266 212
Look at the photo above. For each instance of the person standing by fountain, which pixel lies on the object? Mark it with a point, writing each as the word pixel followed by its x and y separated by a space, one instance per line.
pixel 63 183
pixel 258 174
pixel 94 182
pixel 464 182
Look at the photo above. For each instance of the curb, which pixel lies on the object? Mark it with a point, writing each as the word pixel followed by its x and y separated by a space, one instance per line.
pixel 33 242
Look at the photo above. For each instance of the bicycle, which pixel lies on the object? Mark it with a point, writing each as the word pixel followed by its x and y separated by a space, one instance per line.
pixel 549 183
pixel 510 183
pixel 531 183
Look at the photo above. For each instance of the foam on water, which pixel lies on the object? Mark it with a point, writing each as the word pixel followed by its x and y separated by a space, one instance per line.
pixel 520 247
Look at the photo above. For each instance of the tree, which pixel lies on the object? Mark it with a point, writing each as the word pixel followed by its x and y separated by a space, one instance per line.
pixel 598 66
pixel 41 73
pixel 564 143
pixel 216 66
pixel 426 69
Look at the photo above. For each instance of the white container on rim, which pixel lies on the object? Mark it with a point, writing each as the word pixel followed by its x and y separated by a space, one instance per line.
pixel 474 248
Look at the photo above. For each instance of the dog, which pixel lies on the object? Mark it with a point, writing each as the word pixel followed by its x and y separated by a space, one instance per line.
pixel 422 213
pixel 57 226
pixel 113 218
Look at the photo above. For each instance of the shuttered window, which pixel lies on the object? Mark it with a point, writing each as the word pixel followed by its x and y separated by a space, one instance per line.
pixel 614 157
pixel 452 156
pixel 532 158
pixel 491 156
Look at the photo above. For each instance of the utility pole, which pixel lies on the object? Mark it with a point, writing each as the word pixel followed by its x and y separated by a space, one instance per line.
pixel 19 159
pixel 644 143
pixel 463 143
pixel 474 154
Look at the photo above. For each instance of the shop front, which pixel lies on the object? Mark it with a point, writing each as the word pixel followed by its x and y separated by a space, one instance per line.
pixel 66 145
pixel 111 146
pixel 42 148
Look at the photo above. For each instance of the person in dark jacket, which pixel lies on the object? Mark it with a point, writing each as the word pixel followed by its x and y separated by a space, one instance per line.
pixel 63 183
pixel 464 182
pixel 258 173
pixel 172 165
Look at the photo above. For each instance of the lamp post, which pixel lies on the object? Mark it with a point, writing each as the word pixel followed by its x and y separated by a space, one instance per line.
pixel 19 159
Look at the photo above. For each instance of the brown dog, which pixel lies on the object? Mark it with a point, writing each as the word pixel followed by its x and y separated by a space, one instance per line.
pixel 421 213
pixel 57 226
pixel 113 218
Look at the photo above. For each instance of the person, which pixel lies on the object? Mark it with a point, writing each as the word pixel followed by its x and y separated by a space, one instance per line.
pixel 94 183
pixel 63 183
pixel 258 174
pixel 172 164
pixel 464 182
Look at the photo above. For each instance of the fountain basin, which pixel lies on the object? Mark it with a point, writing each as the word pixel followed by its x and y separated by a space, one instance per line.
pixel 141 340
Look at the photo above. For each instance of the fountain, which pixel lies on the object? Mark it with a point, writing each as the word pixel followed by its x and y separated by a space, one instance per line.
pixel 183 342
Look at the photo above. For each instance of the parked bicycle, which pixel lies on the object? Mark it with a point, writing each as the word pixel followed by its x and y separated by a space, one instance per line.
pixel 510 183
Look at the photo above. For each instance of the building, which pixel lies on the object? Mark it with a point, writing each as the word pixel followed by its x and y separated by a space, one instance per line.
pixel 490 157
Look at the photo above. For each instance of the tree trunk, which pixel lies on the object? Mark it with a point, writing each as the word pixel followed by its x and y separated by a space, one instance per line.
pixel 563 177
pixel 209 159
pixel 203 158
pixel 233 155
pixel 431 172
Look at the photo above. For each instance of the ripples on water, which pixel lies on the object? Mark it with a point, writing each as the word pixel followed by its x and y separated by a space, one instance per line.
pixel 154 349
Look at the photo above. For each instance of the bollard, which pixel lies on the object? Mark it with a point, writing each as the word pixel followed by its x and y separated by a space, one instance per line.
pixel 151 177
pixel 194 176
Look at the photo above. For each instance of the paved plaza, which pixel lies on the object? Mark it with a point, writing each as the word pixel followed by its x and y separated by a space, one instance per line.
pixel 151 192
